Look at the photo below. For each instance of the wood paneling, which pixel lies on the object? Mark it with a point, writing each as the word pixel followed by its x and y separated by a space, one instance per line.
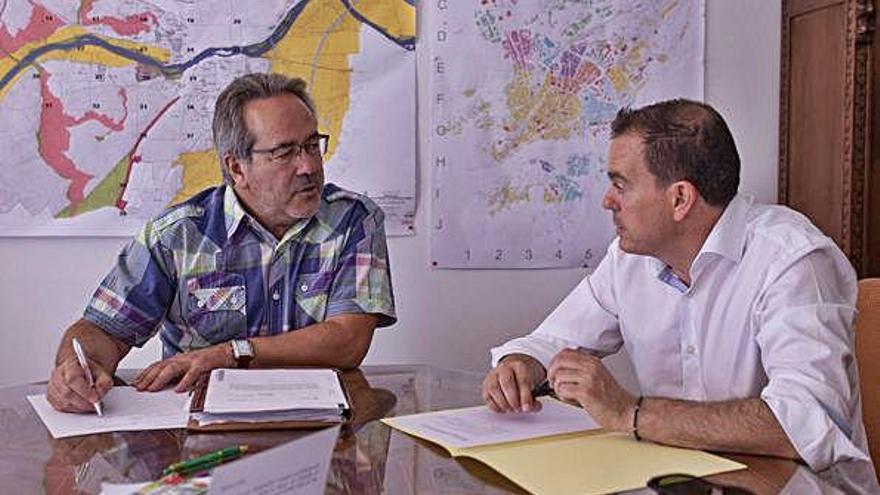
pixel 826 122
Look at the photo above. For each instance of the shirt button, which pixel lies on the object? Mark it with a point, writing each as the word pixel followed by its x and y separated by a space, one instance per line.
pixel 276 296
pixel 690 349
pixel 303 287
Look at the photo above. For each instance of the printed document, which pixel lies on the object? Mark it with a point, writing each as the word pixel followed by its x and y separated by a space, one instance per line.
pixel 125 409
pixel 246 391
pixel 469 427
pixel 558 451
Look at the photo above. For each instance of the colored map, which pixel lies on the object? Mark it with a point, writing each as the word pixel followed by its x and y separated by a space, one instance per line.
pixel 522 93
pixel 107 104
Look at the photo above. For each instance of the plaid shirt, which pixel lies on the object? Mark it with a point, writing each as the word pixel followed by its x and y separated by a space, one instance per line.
pixel 206 272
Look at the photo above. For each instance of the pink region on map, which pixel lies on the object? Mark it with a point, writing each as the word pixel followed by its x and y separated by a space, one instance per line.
pixel 518 47
pixel 41 24
pixel 54 137
pixel 129 26
pixel 105 120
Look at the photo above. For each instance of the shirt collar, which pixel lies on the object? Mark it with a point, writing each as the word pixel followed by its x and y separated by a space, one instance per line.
pixel 233 210
pixel 728 236
pixel 727 239
pixel 236 216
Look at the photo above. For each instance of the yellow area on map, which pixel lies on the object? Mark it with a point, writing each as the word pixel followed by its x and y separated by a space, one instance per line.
pixel 546 113
pixel 507 196
pixel 200 171
pixel 318 46
pixel 316 49
pixel 87 54
pixel 396 17
pixel 620 74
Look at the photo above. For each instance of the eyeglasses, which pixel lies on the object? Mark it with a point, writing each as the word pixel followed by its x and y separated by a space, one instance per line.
pixel 685 484
pixel 283 153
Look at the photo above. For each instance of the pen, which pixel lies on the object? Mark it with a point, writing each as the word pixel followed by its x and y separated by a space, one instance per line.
pixel 542 389
pixel 205 461
pixel 81 357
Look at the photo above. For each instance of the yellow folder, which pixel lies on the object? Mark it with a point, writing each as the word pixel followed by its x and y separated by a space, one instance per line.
pixel 584 463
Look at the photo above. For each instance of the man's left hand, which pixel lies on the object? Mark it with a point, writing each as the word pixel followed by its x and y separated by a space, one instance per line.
pixel 187 366
pixel 580 377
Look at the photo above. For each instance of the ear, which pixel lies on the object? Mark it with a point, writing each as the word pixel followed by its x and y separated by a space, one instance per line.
pixel 682 196
pixel 235 169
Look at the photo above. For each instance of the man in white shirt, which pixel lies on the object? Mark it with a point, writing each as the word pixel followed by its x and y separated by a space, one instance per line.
pixel 737 317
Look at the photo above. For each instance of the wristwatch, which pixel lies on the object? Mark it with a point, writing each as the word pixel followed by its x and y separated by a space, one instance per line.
pixel 242 351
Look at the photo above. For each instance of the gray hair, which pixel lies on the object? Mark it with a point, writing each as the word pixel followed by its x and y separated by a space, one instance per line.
pixel 231 135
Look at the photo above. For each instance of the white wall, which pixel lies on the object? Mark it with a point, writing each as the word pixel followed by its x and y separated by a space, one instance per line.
pixel 447 318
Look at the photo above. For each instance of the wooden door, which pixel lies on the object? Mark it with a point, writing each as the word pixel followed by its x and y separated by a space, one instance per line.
pixel 826 118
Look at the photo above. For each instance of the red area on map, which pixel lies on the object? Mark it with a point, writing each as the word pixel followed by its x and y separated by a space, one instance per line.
pixel 41 24
pixel 128 26
pixel 54 137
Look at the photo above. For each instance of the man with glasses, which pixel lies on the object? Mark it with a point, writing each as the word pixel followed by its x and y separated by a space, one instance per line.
pixel 737 317
pixel 272 268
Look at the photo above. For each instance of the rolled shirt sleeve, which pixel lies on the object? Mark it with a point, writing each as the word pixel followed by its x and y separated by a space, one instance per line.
pixel 804 323
pixel 131 301
pixel 586 319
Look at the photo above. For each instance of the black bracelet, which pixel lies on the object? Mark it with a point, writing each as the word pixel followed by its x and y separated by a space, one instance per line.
pixel 636 418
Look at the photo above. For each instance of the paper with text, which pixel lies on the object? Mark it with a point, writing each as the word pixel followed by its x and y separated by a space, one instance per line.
pixel 296 468
pixel 125 409
pixel 548 453
pixel 244 391
pixel 468 427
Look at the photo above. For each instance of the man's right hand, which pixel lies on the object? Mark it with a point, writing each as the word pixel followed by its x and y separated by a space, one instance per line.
pixel 69 389
pixel 508 387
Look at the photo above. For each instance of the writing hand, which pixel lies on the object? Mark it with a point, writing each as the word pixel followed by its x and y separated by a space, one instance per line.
pixel 69 390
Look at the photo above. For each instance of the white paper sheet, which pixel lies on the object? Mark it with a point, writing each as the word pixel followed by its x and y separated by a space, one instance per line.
pixel 125 409
pixel 132 488
pixel 474 426
pixel 295 468
pixel 242 391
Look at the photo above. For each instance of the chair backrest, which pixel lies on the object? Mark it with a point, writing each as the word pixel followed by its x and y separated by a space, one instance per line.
pixel 868 357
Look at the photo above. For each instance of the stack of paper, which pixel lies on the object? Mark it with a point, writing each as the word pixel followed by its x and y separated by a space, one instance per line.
pixel 549 452
pixel 234 396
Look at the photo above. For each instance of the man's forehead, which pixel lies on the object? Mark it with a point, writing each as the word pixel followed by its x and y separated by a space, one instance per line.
pixel 626 157
pixel 283 118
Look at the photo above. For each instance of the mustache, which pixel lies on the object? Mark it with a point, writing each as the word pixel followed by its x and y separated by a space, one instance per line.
pixel 307 182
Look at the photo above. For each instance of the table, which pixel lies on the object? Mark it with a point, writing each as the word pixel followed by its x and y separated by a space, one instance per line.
pixel 369 458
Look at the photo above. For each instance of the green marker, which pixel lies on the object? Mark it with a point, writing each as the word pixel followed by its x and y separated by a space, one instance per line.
pixel 205 461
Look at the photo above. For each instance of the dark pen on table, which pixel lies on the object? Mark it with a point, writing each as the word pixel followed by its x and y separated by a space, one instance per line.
pixel 542 389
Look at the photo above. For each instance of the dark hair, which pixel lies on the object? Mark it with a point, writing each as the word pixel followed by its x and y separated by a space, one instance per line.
pixel 231 135
pixel 685 140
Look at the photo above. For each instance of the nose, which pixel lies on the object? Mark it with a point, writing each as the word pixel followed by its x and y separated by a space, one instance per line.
pixel 608 200
pixel 306 164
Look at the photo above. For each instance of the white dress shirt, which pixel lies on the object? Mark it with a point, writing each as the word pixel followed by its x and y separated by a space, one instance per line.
pixel 768 314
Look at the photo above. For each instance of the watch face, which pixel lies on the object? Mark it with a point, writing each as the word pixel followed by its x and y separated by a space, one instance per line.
pixel 242 348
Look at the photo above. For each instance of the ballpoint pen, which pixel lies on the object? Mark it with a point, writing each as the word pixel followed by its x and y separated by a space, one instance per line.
pixel 542 389
pixel 206 461
pixel 81 357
